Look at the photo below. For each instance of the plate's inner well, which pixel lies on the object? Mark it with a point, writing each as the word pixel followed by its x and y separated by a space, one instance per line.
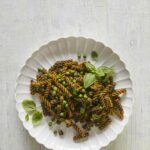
pixel 68 48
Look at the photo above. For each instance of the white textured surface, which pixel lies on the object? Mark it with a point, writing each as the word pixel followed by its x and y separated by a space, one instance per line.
pixel 124 25
pixel 68 48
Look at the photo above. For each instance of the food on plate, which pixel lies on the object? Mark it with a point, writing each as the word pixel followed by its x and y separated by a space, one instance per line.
pixel 79 95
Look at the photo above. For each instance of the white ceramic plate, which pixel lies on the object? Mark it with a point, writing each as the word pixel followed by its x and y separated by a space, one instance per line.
pixel 66 48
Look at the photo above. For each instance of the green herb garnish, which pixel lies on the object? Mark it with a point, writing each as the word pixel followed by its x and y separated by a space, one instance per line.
pixel 37 118
pixel 89 79
pixel 96 74
pixel 90 67
pixel 26 117
pixel 29 106
pixel 106 70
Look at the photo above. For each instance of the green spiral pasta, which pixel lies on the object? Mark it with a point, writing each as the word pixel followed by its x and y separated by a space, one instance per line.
pixel 118 92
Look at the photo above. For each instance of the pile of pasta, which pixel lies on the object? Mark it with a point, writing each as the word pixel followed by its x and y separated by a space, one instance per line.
pixel 64 98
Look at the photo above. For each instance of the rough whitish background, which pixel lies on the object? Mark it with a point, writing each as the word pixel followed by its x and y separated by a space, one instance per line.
pixel 124 25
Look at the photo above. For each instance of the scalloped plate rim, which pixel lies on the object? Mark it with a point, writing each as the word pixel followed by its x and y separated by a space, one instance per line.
pixel 64 38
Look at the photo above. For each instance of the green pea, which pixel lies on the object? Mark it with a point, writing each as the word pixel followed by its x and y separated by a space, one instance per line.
pixel 108 81
pixel 79 56
pixel 64 83
pixel 84 56
pixel 53 118
pixel 50 124
pixel 75 74
pixel 94 55
pixel 100 107
pixel 66 105
pixel 58 76
pixel 85 96
pixel 80 95
pixel 62 114
pixel 55 132
pixel 46 77
pixel 82 110
pixel 64 102
pixel 72 71
pixel 74 91
pixel 53 93
pixel 59 80
pixel 67 72
pixel 55 88
pixel 74 81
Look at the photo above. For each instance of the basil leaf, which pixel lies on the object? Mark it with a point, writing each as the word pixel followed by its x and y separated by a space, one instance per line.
pixel 37 118
pixel 106 70
pixel 100 72
pixel 26 117
pixel 90 67
pixel 89 79
pixel 29 106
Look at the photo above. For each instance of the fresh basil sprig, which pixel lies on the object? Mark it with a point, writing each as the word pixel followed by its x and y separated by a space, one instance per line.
pixel 30 108
pixel 96 74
